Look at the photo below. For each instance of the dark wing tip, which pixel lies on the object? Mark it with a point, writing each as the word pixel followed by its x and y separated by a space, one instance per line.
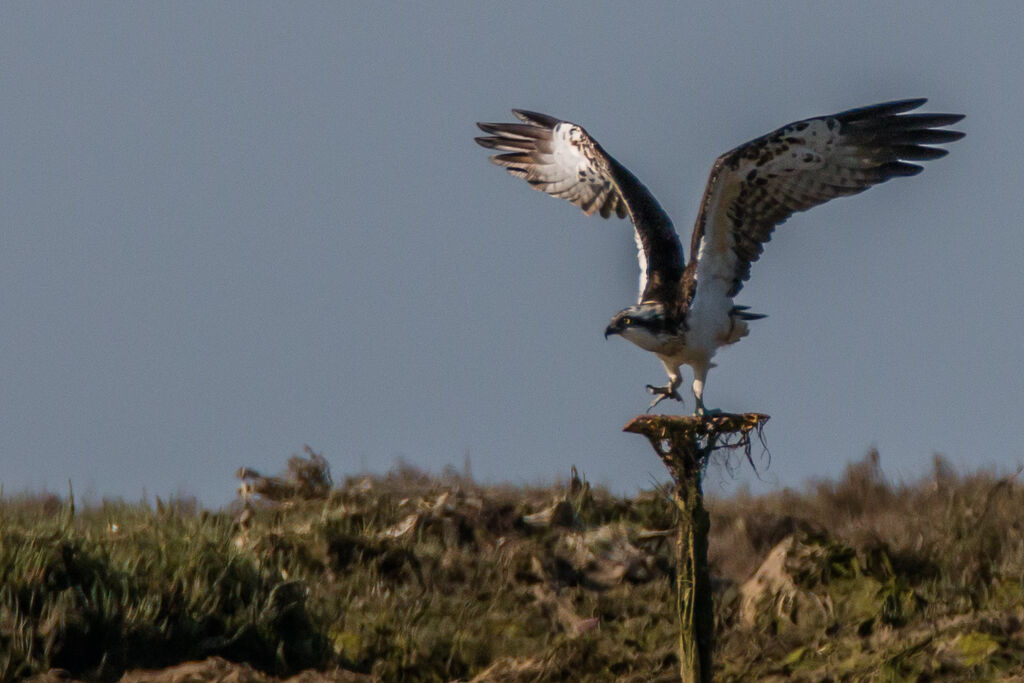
pixel 921 136
pixel 930 120
pixel 536 118
pixel 903 135
pixel 498 128
pixel 489 143
pixel 882 109
pixel 903 105
pixel 918 152
pixel 893 169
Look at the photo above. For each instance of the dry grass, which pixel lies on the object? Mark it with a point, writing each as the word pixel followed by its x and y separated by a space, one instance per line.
pixel 412 577
pixel 916 579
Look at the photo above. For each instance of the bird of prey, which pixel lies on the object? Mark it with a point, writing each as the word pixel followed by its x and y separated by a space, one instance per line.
pixel 685 311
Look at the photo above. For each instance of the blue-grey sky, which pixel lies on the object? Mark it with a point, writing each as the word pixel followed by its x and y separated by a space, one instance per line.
pixel 231 229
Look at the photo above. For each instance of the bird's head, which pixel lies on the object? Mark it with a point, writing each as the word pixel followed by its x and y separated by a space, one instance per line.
pixel 642 324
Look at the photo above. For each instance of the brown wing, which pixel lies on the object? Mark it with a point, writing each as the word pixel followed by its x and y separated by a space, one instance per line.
pixel 560 158
pixel 760 184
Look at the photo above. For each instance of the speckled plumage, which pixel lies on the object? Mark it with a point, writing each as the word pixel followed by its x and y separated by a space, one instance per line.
pixel 687 312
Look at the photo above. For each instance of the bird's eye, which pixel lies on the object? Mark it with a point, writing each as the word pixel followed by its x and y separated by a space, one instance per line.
pixel 627 321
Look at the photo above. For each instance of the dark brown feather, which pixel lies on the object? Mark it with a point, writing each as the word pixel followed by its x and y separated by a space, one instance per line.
pixel 767 187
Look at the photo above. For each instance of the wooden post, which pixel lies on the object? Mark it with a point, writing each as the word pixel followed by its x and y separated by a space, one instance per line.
pixel 684 444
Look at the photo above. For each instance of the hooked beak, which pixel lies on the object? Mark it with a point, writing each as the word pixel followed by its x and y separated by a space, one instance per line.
pixel 609 331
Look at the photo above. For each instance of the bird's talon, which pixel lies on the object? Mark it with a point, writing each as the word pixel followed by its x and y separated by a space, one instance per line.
pixel 660 394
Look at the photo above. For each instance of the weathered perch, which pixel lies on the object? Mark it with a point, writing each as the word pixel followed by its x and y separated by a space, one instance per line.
pixel 684 444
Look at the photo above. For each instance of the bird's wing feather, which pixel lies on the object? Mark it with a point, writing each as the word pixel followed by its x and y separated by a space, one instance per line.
pixel 760 184
pixel 560 158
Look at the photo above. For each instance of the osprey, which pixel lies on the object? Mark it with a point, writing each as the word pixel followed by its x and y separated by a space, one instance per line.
pixel 685 311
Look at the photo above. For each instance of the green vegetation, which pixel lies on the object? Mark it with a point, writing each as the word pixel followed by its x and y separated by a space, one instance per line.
pixel 411 577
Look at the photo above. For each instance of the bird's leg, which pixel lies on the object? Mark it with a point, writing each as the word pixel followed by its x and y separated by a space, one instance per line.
pixel 698 393
pixel 700 375
pixel 667 391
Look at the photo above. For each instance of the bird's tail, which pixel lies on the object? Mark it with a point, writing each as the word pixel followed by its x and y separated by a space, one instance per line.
pixel 738 328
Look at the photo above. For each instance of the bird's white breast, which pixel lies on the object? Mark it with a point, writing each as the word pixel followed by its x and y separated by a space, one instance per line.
pixel 708 319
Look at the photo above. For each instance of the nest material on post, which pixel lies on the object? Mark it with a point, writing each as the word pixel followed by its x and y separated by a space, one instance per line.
pixel 685 441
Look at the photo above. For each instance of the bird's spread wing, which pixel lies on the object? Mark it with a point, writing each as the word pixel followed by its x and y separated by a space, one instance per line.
pixel 561 159
pixel 760 184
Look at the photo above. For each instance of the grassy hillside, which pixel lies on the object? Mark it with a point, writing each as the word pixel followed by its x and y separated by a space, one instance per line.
pixel 409 577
